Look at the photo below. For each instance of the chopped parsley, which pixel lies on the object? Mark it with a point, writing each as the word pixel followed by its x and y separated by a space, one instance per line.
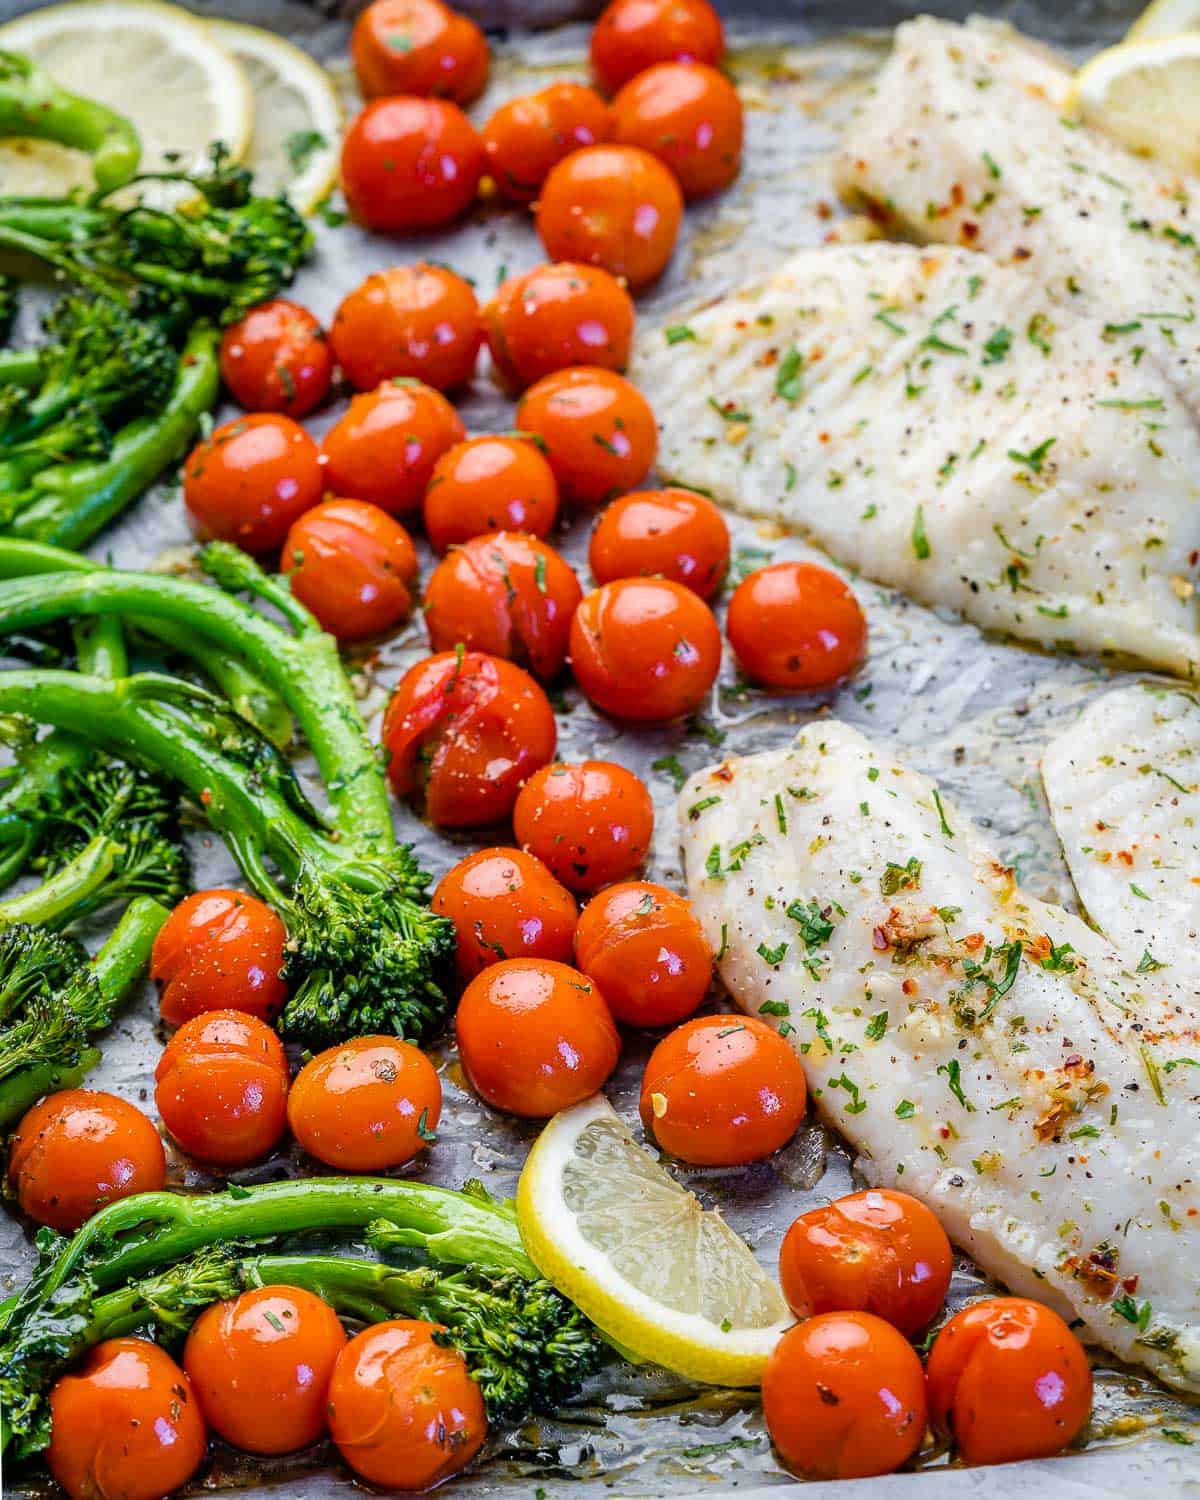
pixel 789 377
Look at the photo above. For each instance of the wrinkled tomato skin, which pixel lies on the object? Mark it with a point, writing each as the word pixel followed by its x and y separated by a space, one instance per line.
pixel 524 138
pixel 797 626
pixel 353 566
pixel 410 164
pixel 250 480
pixel 643 946
pixel 219 950
pixel 589 824
pixel 674 534
pixel 277 358
pixel 504 903
pixel 690 117
pixel 418 47
pixel 595 428
pixel 489 484
pixel 556 316
pixel 384 447
pixel 633 35
pixel 419 321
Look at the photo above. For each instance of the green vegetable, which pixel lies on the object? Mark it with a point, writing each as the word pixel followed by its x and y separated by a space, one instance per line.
pixel 32 104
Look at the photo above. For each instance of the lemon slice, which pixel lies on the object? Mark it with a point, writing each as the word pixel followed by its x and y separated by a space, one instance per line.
pixel 659 1275
pixel 1147 96
pixel 1165 18
pixel 297 134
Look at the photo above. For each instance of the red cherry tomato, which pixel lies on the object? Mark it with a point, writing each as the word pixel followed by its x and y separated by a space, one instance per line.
pixel 418 47
pixel 507 594
pixel 221 1088
pixel 219 950
pixel 1008 1380
pixel 250 480
pixel 489 484
pixel 529 135
pixel 633 35
pixel 465 731
pixel 277 358
pixel 597 430
pixel 843 1397
pixel 410 164
pixel 260 1366
pixel 505 904
pixel 690 117
pixel 721 1091
pixel 643 946
pixel 385 446
pixel 556 316
pixel 535 1037
pixel 796 625
pixel 590 824
pixel 78 1150
pixel 644 649
pixel 421 321
pixel 353 566
pixel 673 534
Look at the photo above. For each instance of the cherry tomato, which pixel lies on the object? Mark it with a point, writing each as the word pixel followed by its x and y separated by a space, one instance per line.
pixel 366 1105
pixel 353 566
pixel 250 480
pixel 1008 1380
pixel 644 947
pixel 879 1252
pixel 418 47
pixel 421 321
pixel 535 1036
pixel 260 1366
pixel 674 534
pixel 589 824
pixel 721 1091
pixel 219 950
pixel 843 1397
pixel 464 732
pixel 385 446
pixel 504 903
pixel 598 431
pixel 403 1410
pixel 796 625
pixel 277 358
pixel 410 164
pixel 556 316
pixel 529 135
pixel 505 593
pixel 645 649
pixel 79 1149
pixel 221 1088
pixel 612 206
pixel 633 35
pixel 690 117
pixel 125 1425
pixel 489 484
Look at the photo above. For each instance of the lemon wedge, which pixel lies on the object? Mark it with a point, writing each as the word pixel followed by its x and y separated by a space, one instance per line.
pixel 1147 96
pixel 662 1277
pixel 1165 18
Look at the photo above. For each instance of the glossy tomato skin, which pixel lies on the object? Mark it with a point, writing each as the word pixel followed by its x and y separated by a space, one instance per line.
pixel 353 566
pixel 385 446
pixel 125 1425
pixel 642 944
pixel 465 731
pixel 878 1251
pixel 250 480
pixel 596 429
pixel 277 358
pixel 843 1397
pixel 260 1366
pixel 535 1037
pixel 690 117
pixel 79 1149
pixel 221 1088
pixel 410 164
pixel 403 1410
pixel 524 138
pixel 366 1105
pixel 720 1091
pixel 418 47
pixel 489 484
pixel 633 35
pixel 421 321
pixel 504 903
pixel 669 533
pixel 1008 1380
pixel 556 316
pixel 589 824
pixel 796 625
pixel 219 950
pixel 507 594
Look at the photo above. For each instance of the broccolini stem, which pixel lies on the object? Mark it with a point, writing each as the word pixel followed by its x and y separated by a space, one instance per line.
pixel 100 648
pixel 20 367
pixel 32 104
pixel 55 902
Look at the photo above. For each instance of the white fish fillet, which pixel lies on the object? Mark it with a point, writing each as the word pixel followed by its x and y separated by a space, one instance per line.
pixel 932 420
pixel 983 1050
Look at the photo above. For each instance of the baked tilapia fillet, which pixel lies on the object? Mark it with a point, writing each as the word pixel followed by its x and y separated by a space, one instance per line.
pixel 983 1050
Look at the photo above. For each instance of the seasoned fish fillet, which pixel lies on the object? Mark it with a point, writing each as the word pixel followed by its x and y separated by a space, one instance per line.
pixel 983 1050
pixel 929 418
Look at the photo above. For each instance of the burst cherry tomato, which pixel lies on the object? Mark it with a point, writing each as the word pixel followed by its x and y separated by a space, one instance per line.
pixel 418 47
pixel 721 1091
pixel 843 1397
pixel 464 732
pixel 643 946
pixel 260 1366
pixel 796 625
pixel 508 594
pixel 489 484
pixel 250 480
pixel 598 430
pixel 385 446
pixel 403 1410
pixel 612 206
pixel 504 903
pixel 221 1088
pixel 528 136
pixel 353 566
pixel 1008 1380
pixel 590 824
pixel 633 35
pixel 690 117
pixel 410 164
pixel 219 950
pixel 556 316
pixel 125 1425
pixel 78 1150
pixel 277 358
pixel 674 534
pixel 421 321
